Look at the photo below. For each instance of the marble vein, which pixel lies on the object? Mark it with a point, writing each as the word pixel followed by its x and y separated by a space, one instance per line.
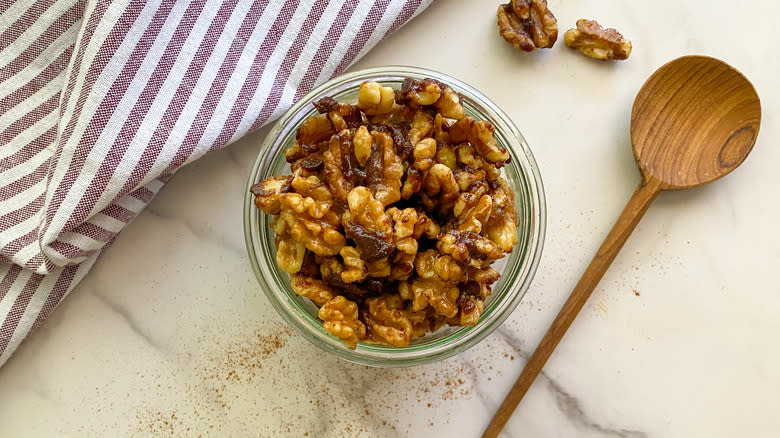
pixel 129 320
pixel 203 233
pixel 568 404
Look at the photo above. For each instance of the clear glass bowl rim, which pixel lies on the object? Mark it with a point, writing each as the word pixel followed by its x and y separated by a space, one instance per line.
pixel 463 337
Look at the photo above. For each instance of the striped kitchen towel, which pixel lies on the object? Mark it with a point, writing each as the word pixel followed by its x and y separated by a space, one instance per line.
pixel 102 101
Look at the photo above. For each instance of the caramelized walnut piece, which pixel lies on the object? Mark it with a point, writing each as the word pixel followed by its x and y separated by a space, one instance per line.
pixel 421 125
pixel 311 223
pixel 289 253
pixel 527 24
pixel 338 166
pixel 502 223
pixel 373 98
pixel 363 142
pixel 472 212
pixel 431 264
pixel 341 115
pixel 355 266
pixel 267 193
pixel 312 288
pixel 384 170
pixel 311 187
pixel 340 318
pixel 424 151
pixel 481 136
pixel 440 183
pixel 367 225
pixel 449 105
pixel 596 42
pixel 470 309
pixel 440 296
pixel 315 129
pixel 386 326
pixel 470 248
pixel 417 92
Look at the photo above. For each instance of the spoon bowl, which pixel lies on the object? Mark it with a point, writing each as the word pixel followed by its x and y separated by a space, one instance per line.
pixel 693 121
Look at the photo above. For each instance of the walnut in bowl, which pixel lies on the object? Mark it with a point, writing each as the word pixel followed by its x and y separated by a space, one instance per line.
pixel 377 244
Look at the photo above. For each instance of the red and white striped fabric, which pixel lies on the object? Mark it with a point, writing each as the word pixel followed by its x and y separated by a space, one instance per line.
pixel 102 101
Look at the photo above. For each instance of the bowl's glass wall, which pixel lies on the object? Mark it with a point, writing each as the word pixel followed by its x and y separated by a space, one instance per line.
pixel 517 269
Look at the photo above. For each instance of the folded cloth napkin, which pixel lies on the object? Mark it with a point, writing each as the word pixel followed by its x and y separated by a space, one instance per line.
pixel 102 101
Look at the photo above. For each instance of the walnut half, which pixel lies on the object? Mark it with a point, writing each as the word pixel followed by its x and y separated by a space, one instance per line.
pixel 596 42
pixel 527 24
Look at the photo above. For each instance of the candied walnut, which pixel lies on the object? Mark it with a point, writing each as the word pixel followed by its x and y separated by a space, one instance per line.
pixel 440 182
pixel 363 143
pixel 300 204
pixel 527 24
pixel 481 136
pixel 412 183
pixel 472 181
pixel 355 266
pixel 425 226
pixel 384 170
pixel 421 322
pixel 399 135
pixel 407 245
pixel 367 224
pixel 289 253
pixel 402 266
pixel 339 167
pixel 431 264
pixel 435 293
pixel 441 129
pixel 445 154
pixel 267 193
pixel 470 309
pixel 331 269
pixel 424 151
pixel 315 129
pixel 312 288
pixel 449 105
pixel 422 124
pixel 403 221
pixel 340 318
pixel 469 248
pixel 488 275
pixel 472 212
pixel 379 268
pixel 596 42
pixel 502 224
pixel 420 91
pixel 386 326
pixel 373 98
pixel 311 187
pixel 341 115
pixel 311 223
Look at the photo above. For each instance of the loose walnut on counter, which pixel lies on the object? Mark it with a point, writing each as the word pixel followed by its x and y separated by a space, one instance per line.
pixel 596 42
pixel 527 24
pixel 394 210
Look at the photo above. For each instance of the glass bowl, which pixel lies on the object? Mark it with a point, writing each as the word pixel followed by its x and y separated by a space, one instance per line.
pixel 517 268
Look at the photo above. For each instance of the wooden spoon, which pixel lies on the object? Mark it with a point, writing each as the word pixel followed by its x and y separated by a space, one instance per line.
pixel 694 120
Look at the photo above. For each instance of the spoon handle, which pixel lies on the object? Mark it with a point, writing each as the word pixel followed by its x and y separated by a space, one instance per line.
pixel 645 194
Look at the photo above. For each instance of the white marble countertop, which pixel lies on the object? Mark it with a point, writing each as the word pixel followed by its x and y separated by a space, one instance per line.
pixel 168 335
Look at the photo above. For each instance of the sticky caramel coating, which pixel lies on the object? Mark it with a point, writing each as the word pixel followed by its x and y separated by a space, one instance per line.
pixel 393 213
